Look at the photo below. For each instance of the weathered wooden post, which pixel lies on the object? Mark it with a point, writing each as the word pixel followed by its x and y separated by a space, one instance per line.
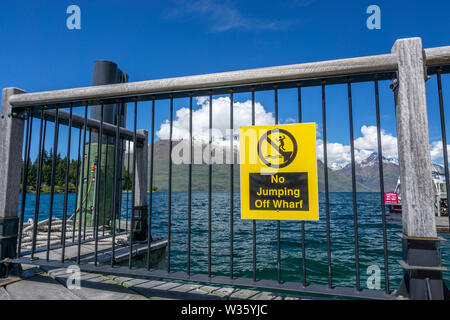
pixel 140 215
pixel 421 245
pixel 11 141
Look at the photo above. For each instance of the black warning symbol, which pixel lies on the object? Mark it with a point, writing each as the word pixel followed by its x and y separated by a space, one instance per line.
pixel 277 148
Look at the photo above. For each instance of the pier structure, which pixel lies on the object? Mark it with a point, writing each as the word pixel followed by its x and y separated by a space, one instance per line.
pixel 407 68
pixel 105 72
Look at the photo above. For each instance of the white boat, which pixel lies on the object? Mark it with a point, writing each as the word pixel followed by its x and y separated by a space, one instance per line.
pixel 393 200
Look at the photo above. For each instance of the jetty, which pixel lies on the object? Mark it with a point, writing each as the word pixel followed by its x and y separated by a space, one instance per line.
pixel 50 283
pixel 442 225
pixel 37 283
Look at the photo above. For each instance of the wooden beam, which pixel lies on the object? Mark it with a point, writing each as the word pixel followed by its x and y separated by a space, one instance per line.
pixel 413 141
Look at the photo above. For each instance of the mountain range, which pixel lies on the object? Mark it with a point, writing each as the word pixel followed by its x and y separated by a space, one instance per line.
pixel 367 173
pixel 339 176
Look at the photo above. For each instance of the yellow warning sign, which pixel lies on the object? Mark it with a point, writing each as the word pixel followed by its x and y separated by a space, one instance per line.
pixel 279 172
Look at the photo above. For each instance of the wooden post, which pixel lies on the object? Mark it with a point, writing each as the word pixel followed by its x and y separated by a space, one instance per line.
pixel 413 141
pixel 141 191
pixel 421 247
pixel 11 141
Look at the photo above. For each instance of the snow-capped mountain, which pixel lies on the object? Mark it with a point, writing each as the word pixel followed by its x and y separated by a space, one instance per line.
pixel 367 172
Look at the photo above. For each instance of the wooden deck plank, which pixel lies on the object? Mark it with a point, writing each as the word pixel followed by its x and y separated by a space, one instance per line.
pixel 168 286
pixel 129 282
pixel 39 288
pixel 292 298
pixel 243 294
pixel 97 287
pixel 442 224
pixel 267 296
pixel 150 284
pixel 209 289
pixel 53 286
pixel 187 288
pixel 4 294
pixel 223 292
pixel 167 290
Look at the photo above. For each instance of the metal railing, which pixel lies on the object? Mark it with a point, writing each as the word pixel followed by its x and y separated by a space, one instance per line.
pixel 48 106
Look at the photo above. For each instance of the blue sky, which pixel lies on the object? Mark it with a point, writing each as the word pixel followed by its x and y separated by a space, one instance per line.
pixel 160 39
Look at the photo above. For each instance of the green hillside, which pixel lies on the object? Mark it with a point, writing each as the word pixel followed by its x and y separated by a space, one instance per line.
pixel 221 175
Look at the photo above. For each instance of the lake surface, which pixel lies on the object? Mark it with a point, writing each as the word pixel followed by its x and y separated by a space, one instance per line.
pixel 342 238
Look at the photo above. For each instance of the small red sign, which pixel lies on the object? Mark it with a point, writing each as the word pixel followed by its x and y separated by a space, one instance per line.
pixel 391 197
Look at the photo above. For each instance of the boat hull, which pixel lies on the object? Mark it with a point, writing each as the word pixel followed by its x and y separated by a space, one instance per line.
pixel 395 208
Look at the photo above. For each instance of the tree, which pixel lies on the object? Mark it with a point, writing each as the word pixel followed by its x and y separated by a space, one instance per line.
pixel 60 174
pixel 46 168
pixel 32 174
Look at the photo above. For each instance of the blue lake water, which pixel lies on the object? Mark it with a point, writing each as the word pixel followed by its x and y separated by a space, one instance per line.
pixel 342 238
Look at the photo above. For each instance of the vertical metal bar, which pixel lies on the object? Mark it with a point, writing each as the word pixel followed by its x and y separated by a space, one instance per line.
pixel 127 183
pixel 169 222
pixel 66 188
pixel 190 188
pixel 327 200
pixel 149 235
pixel 210 184
pixel 355 204
pixel 254 221
pixel 428 293
pixel 38 181
pixel 231 184
pixel 88 189
pixel 75 214
pixel 105 183
pixel 121 175
pixel 133 197
pixel 25 177
pixel 113 206
pixel 444 135
pixel 300 119
pixel 120 185
pixel 97 183
pixel 52 181
pixel 83 170
pixel 381 174
pixel 299 102
pixel 278 221
pixel 115 188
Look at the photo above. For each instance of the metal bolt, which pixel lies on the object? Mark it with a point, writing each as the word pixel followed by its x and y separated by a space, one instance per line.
pixel 394 84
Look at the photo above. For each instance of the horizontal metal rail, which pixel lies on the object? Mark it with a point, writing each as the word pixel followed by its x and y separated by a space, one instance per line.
pixel 437 56
pixel 357 67
pixel 143 273
pixel 307 74
pixel 69 243
pixel 78 121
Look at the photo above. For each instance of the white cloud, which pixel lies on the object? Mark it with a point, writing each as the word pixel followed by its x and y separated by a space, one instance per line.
pixel 222 15
pixel 338 153
pixel 369 141
pixel 437 152
pixel 288 120
pixel 242 113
